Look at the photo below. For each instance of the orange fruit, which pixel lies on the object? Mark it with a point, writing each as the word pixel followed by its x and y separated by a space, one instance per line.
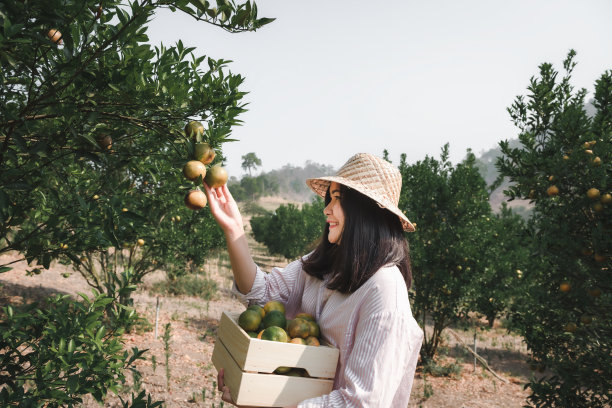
pixel 314 331
pixel 282 370
pixel 274 305
pixel 593 193
pixel 258 308
pixel 312 341
pixel 552 190
pixel 306 316
pixel 204 153
pixel 249 320
pixel 195 200
pixel 275 333
pixel 565 287
pixel 216 177
pixel 298 327
pixel 194 169
pixel 274 318
pixel 194 129
pixel 297 340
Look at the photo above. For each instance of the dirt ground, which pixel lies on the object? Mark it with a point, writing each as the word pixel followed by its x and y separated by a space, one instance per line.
pixel 194 321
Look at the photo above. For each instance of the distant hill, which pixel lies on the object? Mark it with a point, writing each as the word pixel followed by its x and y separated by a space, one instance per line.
pixel 291 180
pixel 486 165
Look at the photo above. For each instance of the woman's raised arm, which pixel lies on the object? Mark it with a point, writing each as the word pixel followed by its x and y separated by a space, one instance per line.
pixel 226 213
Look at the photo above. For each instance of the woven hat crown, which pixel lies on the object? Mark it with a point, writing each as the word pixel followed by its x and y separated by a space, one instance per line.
pixel 372 176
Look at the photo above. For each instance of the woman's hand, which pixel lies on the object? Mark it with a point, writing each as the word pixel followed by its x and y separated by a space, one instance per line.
pixel 225 210
pixel 225 391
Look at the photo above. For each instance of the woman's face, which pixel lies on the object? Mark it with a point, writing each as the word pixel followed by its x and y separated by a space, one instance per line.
pixel 334 213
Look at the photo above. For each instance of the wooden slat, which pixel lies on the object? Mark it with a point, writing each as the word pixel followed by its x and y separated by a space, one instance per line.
pixel 232 377
pixel 271 390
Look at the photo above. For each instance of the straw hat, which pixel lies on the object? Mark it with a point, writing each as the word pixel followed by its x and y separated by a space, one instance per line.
pixel 371 176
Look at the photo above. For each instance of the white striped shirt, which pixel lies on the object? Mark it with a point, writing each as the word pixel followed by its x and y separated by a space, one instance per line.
pixel 378 338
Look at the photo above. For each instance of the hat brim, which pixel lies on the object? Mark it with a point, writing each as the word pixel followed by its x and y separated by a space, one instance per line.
pixel 321 185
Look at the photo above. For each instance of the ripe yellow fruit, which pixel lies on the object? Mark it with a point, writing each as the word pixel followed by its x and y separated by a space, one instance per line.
pixel 204 153
pixel 124 209
pixel 312 341
pixel 606 198
pixel 597 161
pixel 178 218
pixel 597 207
pixel 141 242
pixel 274 305
pixel 195 200
pixel 194 129
pixel 194 169
pixel 298 327
pixel 565 287
pixel 593 193
pixel 552 191
pixel 95 197
pixel 306 316
pixel 588 151
pixel 216 177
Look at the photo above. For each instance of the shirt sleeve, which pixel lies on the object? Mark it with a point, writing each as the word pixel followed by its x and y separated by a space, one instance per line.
pixel 285 285
pixel 378 362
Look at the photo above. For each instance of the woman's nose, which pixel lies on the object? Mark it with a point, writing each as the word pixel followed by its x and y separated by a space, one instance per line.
pixel 327 210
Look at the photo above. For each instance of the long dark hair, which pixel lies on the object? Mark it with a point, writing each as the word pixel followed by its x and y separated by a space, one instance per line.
pixel 372 237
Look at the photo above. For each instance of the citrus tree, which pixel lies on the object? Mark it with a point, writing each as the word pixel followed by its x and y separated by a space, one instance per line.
pixel 91 126
pixel 450 206
pixel 55 353
pixel 563 165
pixel 505 258
pixel 92 143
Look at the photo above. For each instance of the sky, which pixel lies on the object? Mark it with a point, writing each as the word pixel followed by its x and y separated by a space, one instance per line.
pixel 329 79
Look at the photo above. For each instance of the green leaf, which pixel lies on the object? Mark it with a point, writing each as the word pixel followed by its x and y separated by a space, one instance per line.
pixel 72 384
pixel 5 269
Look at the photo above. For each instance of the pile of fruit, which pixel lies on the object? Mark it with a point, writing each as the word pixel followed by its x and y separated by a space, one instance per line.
pixel 270 323
pixel 195 169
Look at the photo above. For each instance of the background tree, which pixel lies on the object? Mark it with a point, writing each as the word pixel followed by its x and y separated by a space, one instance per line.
pixel 563 166
pixel 291 231
pixel 450 206
pixel 250 162
pixel 505 258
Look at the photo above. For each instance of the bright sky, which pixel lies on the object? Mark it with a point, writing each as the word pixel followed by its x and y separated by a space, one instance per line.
pixel 328 79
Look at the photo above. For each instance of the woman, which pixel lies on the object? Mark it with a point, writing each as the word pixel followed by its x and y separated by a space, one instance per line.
pixel 355 283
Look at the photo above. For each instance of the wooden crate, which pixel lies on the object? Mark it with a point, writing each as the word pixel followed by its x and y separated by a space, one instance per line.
pixel 249 365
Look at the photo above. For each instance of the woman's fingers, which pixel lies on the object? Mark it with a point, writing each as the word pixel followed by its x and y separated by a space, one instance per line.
pixel 220 381
pixel 224 389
